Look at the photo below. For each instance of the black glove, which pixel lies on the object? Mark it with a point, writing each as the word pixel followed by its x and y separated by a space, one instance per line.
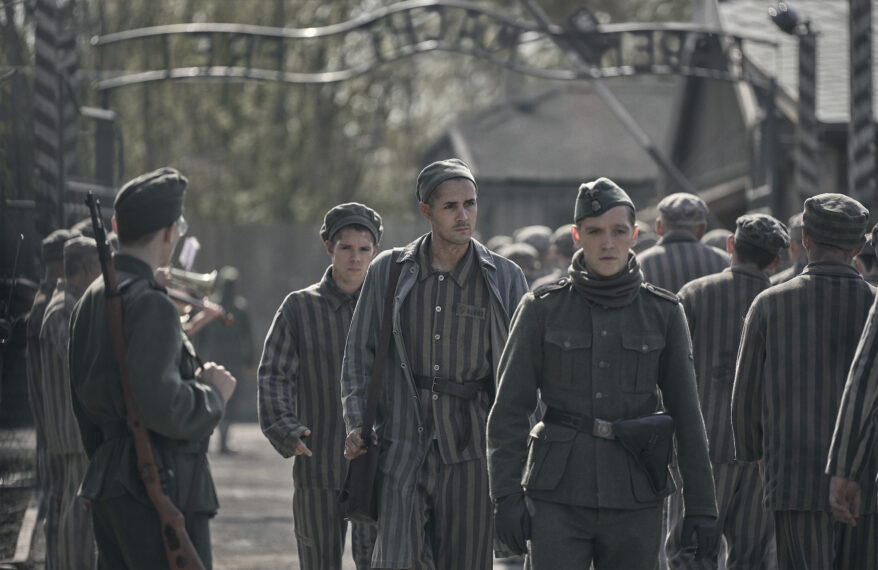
pixel 704 530
pixel 512 522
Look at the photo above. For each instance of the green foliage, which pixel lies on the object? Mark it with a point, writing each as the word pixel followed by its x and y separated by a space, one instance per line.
pixel 258 152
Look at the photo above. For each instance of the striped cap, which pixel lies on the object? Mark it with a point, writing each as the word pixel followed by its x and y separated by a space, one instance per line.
pixel 836 220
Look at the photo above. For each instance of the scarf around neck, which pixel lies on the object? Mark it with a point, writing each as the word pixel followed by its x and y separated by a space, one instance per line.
pixel 615 291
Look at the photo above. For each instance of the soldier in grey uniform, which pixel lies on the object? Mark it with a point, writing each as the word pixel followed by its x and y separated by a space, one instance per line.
pixel 798 255
pixel 715 308
pixel 561 252
pixel 599 346
pixel 797 347
pixel 451 313
pixel 179 404
pixel 73 546
pixel 679 256
pixel 299 394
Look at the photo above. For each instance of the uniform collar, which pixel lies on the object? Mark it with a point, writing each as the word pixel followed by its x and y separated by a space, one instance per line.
pixel 744 269
pixel 331 291
pixel 832 268
pixel 461 272
pixel 674 236
pixel 135 266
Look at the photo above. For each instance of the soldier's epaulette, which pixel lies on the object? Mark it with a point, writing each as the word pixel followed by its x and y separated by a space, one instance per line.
pixel 556 285
pixel 659 292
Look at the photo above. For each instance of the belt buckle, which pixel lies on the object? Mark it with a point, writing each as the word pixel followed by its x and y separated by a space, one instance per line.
pixel 603 429
pixel 433 386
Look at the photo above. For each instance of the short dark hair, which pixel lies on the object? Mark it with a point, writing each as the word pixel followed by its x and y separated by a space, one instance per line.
pixel 749 253
pixel 358 227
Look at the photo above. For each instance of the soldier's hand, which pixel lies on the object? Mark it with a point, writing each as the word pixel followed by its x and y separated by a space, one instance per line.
pixel 512 522
pixel 217 376
pixel 354 446
pixel 301 448
pixel 844 499
pixel 700 531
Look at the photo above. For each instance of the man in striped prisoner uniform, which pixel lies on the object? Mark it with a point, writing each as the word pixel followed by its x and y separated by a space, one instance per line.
pixel 852 453
pixel 798 343
pixel 715 308
pixel 679 256
pixel 451 313
pixel 73 546
pixel 798 255
pixel 298 390
pixel 53 257
pixel 867 260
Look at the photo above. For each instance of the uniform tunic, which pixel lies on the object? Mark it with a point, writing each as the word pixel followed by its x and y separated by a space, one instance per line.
pixel 401 425
pixel 74 547
pixel 798 343
pixel 606 363
pixel 178 411
pixel 298 389
pixel 678 258
pixel 715 307
pixel 853 444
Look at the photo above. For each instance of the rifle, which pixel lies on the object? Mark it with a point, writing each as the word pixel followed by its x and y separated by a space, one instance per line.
pixel 178 547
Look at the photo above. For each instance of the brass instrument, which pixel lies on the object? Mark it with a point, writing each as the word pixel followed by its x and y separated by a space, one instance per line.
pixel 202 283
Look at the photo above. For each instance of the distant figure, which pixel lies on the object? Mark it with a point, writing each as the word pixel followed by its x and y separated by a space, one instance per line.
pixel 229 344
pixel 798 255
pixel 498 241
pixel 561 253
pixel 73 546
pixel 679 257
pixel 716 238
pixel 53 257
pixel 867 262
pixel 525 256
pixel 646 237
pixel 540 238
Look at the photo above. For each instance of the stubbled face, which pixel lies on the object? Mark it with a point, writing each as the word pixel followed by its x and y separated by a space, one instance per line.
pixel 452 211
pixel 605 240
pixel 351 254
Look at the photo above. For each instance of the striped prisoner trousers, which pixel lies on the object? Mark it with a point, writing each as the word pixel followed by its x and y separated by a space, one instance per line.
pixel 70 540
pixel 320 531
pixel 811 540
pixel 747 529
pixel 453 520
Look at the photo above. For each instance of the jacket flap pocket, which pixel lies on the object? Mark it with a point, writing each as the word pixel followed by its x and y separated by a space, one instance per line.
pixel 643 343
pixel 568 339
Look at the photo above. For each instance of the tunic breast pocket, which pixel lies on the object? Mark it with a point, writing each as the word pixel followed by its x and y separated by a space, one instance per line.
pixel 640 361
pixel 567 357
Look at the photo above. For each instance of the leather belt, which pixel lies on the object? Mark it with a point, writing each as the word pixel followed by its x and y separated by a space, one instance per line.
pixel 580 422
pixel 467 390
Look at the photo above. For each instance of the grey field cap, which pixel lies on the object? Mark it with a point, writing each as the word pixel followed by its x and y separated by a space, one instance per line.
pixel 598 196
pixel 836 220
pixel 683 208
pixel 438 172
pixel 762 231
pixel 53 244
pixel 352 213
pixel 79 248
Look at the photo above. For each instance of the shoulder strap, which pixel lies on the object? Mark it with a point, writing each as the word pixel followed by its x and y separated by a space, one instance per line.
pixel 382 348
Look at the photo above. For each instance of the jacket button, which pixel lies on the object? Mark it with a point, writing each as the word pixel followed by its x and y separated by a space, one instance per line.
pixel 420 429
pixel 603 364
pixel 644 348
pixel 599 395
pixel 435 396
pixel 566 344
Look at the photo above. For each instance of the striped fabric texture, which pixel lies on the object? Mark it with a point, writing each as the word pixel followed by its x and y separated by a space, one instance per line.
pixel 320 532
pixel 445 324
pixel 715 308
pixel 298 385
pixel 853 444
pixel 34 362
pixel 678 258
pixel 400 424
pixel 70 543
pixel 798 343
pixel 813 541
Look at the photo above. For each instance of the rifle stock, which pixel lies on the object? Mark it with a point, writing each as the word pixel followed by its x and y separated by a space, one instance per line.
pixel 179 549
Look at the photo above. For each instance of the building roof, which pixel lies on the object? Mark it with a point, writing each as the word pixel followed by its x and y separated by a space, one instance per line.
pixel 565 132
pixel 829 18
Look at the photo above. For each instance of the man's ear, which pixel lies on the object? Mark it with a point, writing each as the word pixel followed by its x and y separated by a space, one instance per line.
pixel 574 231
pixel 425 209
pixel 730 245
pixel 330 248
pixel 115 228
pixel 658 227
pixel 636 231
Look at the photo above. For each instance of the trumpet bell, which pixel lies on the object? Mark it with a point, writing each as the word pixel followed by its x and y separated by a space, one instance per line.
pixel 201 282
